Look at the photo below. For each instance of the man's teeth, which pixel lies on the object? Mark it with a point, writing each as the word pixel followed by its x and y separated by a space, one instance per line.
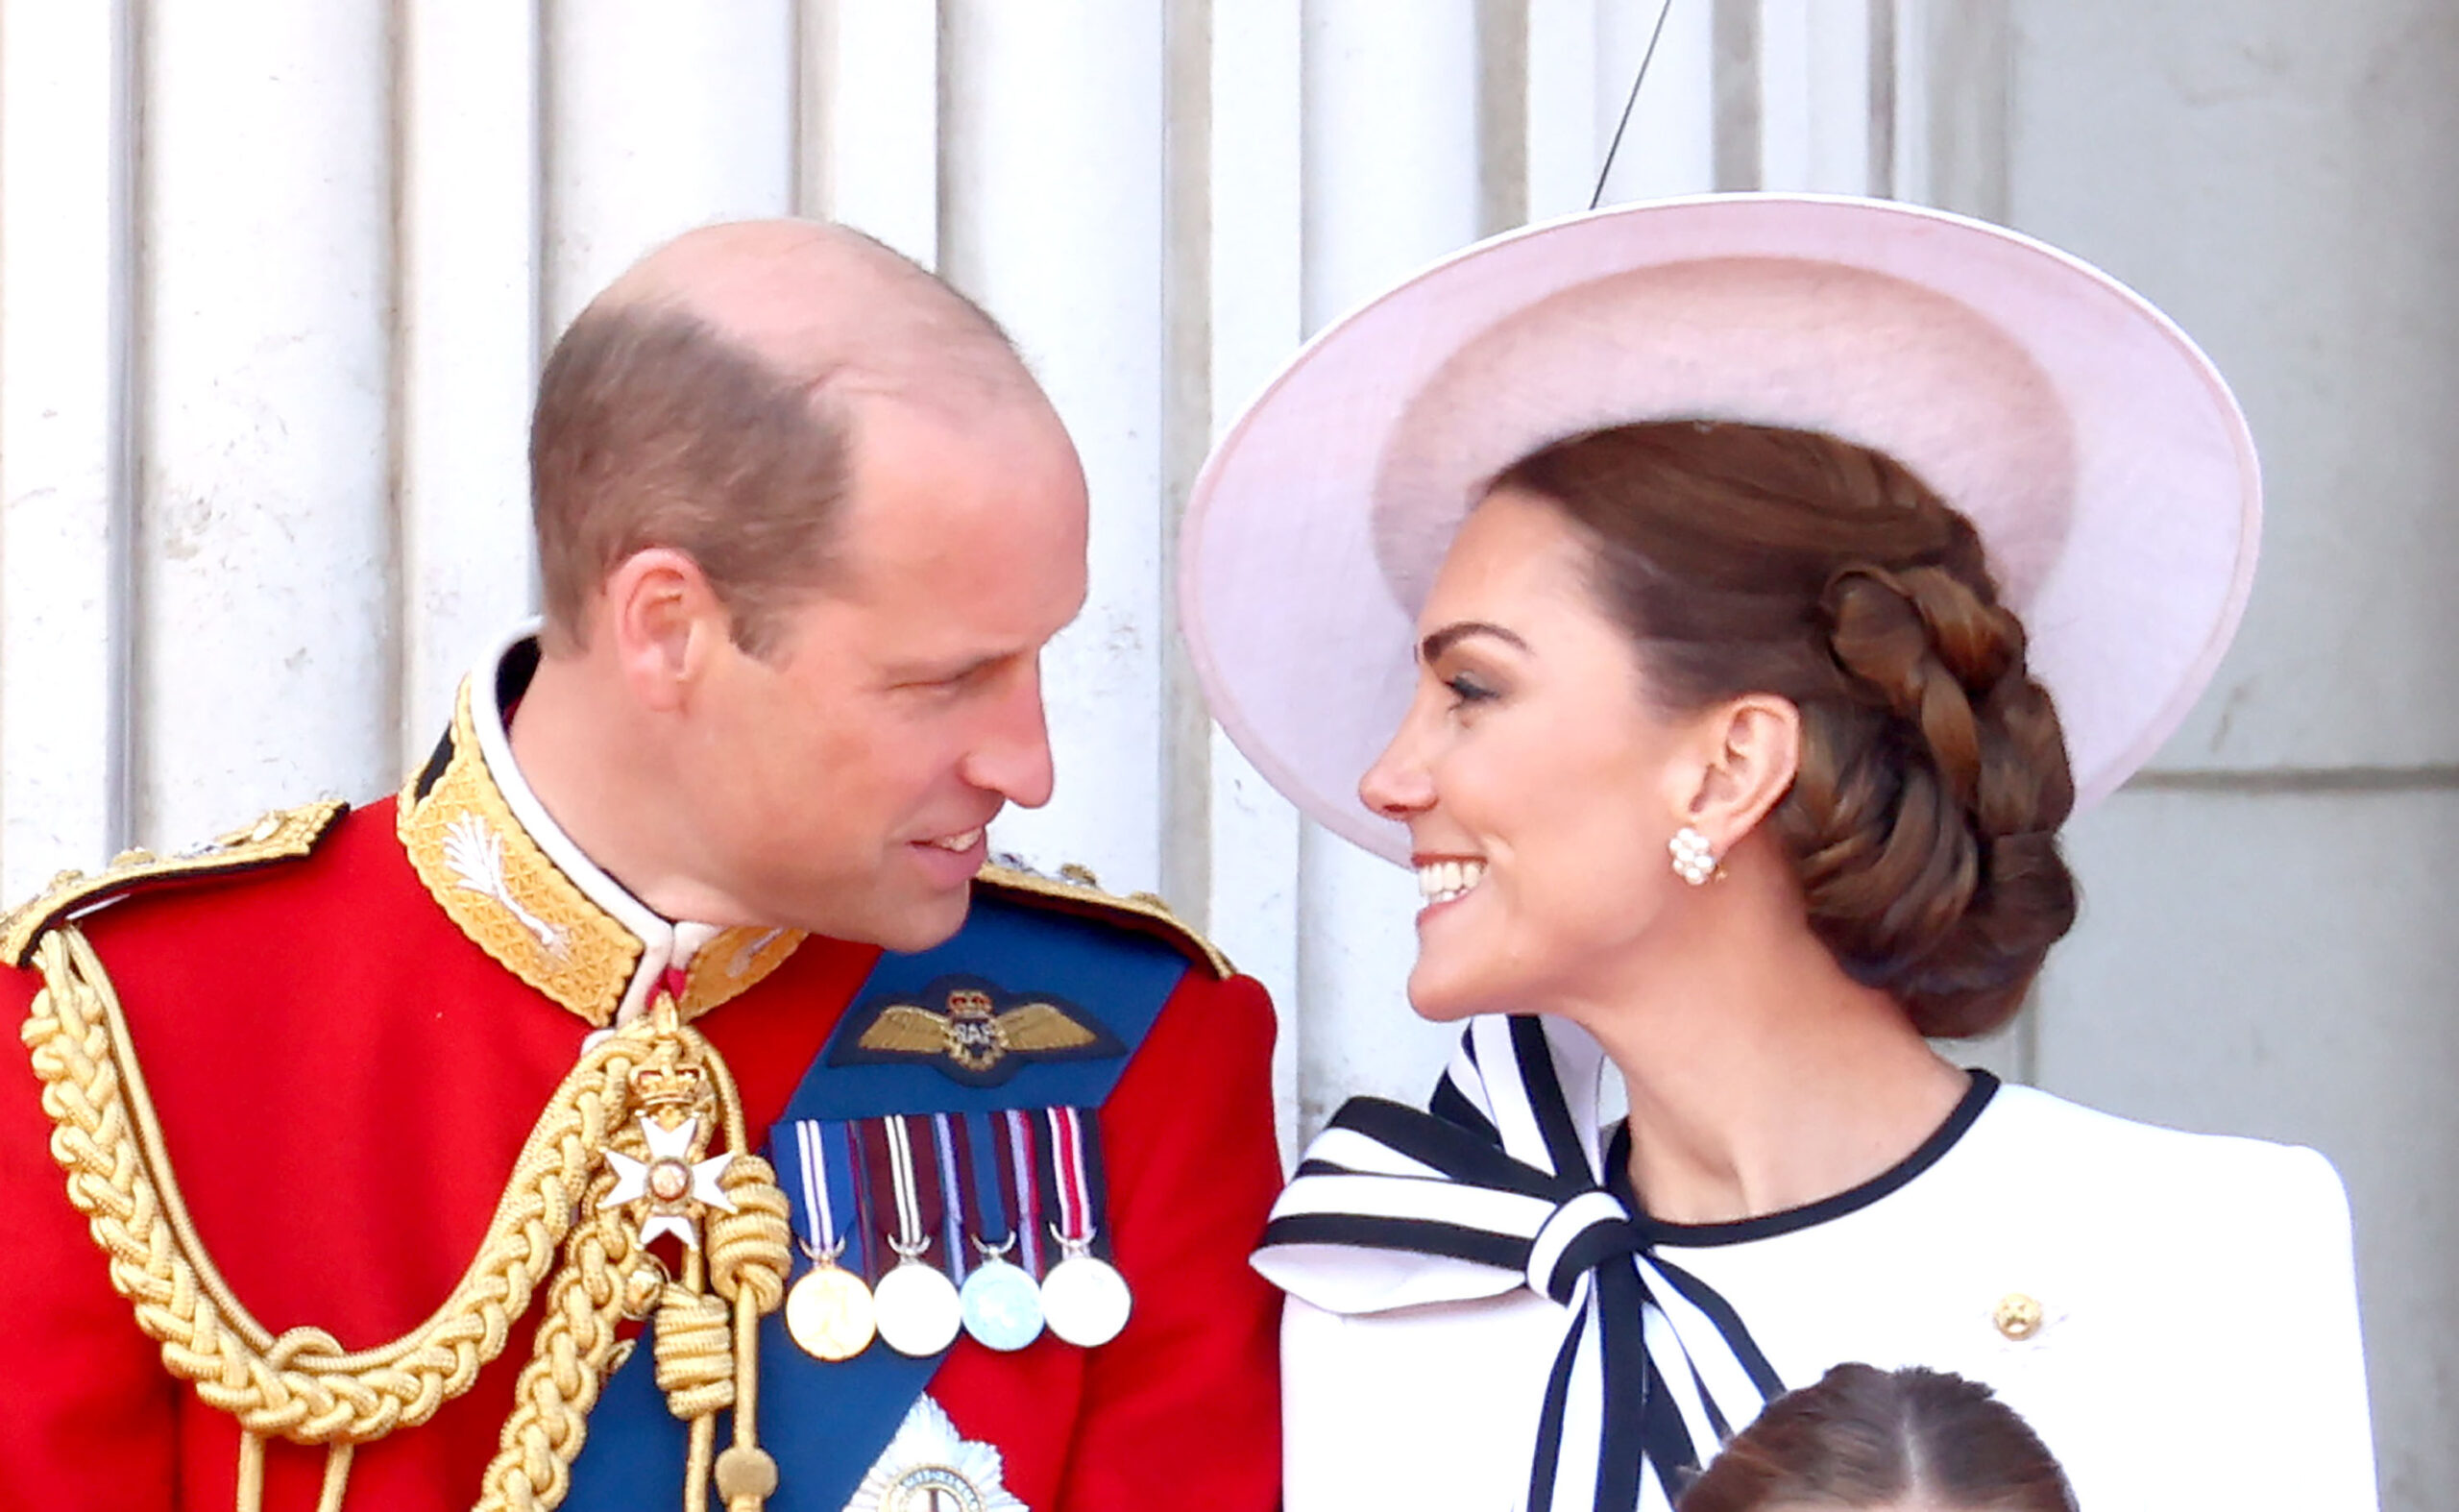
pixel 959 842
pixel 1442 881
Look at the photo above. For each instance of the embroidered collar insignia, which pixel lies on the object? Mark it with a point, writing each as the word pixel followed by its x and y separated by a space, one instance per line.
pixel 972 1032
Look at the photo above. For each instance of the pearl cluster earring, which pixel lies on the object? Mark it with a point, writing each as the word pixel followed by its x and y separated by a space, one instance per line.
pixel 1694 861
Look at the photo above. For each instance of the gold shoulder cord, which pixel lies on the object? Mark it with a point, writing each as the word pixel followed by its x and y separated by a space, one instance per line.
pixel 1077 885
pixel 599 1167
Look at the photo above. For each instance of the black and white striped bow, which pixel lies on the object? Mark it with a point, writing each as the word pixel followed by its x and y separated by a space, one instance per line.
pixel 1504 1176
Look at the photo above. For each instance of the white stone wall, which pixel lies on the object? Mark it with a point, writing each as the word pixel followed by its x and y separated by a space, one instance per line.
pixel 276 276
pixel 2267 943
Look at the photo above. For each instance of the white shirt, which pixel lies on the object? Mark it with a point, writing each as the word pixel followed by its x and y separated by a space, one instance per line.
pixel 2199 1344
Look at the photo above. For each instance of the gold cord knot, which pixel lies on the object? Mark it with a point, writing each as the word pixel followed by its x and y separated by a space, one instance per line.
pixel 752 1249
pixel 695 1352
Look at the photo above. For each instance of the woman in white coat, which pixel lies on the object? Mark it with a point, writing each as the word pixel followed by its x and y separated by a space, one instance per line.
pixel 1668 572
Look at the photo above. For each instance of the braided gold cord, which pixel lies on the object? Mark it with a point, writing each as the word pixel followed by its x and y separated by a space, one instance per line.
pixel 301 1386
pixel 576 1338
pixel 706 1362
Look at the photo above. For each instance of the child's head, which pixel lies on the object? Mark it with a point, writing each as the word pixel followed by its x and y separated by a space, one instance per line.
pixel 1871 1440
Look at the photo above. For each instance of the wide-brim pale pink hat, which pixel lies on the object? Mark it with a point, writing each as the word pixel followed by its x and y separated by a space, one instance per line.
pixel 2102 456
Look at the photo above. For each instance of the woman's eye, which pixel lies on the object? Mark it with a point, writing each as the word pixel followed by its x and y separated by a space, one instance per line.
pixel 1468 689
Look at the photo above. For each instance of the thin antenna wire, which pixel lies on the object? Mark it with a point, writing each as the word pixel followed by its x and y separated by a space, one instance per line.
pixel 1624 123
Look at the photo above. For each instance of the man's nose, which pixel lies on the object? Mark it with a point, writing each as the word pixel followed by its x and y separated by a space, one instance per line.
pixel 1013 757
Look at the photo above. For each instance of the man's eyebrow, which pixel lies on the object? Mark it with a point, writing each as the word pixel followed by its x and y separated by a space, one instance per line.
pixel 1451 635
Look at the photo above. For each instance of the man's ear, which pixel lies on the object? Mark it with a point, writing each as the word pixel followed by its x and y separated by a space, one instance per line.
pixel 1748 751
pixel 664 622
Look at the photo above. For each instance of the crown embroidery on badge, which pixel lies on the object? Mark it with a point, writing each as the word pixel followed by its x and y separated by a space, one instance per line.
pixel 973 1032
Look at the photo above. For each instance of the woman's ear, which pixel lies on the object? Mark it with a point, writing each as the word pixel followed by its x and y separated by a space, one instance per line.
pixel 1750 750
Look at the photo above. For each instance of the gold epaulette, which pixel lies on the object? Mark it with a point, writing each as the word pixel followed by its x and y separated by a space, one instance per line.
pixel 281 835
pixel 1076 891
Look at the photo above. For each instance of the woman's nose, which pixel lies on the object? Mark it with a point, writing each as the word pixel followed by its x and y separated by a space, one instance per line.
pixel 1397 786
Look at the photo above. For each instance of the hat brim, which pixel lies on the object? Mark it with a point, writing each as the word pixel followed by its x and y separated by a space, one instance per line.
pixel 2103 460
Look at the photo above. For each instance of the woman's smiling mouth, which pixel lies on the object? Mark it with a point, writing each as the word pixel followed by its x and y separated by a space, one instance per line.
pixel 1445 880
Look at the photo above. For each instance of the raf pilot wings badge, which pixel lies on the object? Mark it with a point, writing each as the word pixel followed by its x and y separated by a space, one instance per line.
pixel 972 1031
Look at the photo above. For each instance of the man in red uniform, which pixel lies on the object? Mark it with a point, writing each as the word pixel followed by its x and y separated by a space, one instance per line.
pixel 325 1118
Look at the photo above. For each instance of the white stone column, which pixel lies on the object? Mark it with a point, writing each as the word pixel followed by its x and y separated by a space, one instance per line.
pixel 264 554
pixel 1567 82
pixel 1671 146
pixel 1391 183
pixel 468 334
pixel 1054 221
pixel 1815 120
pixel 660 117
pixel 1257 317
pixel 870 149
pixel 66 146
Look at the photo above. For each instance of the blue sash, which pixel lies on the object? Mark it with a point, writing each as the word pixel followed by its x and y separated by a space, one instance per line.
pixel 826 1423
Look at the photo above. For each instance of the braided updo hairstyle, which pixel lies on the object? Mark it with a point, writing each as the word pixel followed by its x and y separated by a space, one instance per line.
pixel 1923 820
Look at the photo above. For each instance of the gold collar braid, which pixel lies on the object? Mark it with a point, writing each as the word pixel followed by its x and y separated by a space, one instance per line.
pixel 301 1386
pixel 494 881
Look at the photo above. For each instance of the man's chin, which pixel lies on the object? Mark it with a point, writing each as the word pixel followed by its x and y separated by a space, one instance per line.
pixel 920 923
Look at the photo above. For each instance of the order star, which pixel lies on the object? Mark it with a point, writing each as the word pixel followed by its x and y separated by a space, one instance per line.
pixel 668 1178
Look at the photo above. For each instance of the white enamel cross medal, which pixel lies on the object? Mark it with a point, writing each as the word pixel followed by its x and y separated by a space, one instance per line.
pixel 673 1183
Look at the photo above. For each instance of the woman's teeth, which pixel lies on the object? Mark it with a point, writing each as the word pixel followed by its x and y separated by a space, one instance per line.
pixel 1442 881
pixel 958 843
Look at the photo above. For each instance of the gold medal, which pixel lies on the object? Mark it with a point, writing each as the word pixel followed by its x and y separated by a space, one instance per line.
pixel 829 1312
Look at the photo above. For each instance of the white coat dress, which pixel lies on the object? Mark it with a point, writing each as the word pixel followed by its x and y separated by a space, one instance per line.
pixel 2174 1313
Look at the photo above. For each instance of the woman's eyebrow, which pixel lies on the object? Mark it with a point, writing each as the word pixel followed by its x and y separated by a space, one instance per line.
pixel 1451 635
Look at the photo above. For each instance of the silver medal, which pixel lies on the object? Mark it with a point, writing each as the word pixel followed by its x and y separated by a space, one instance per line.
pixel 1002 1305
pixel 916 1307
pixel 1084 1298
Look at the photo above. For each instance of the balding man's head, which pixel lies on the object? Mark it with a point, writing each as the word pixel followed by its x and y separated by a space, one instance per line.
pixel 706 399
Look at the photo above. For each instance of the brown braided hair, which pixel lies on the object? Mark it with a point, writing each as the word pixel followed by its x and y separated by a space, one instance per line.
pixel 1923 821
pixel 1868 1438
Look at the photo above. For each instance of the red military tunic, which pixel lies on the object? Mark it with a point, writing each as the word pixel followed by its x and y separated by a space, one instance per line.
pixel 344 1076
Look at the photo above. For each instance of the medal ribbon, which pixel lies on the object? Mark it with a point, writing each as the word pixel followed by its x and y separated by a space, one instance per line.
pixel 951 1199
pixel 1654 1366
pixel 825 1165
pixel 912 1234
pixel 1024 1169
pixel 819 1210
pixel 993 1220
pixel 1067 1167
